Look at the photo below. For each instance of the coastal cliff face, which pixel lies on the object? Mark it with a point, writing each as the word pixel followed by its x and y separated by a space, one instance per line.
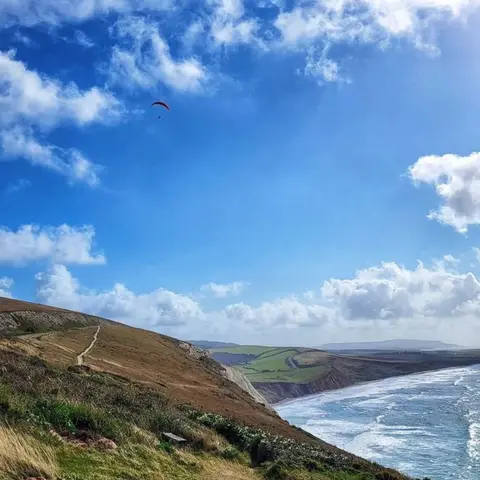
pixel 345 372
pixel 279 391
pixel 242 381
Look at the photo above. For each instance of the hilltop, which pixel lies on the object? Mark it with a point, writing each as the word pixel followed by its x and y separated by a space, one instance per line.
pixel 397 344
pixel 88 398
pixel 207 344
pixel 281 373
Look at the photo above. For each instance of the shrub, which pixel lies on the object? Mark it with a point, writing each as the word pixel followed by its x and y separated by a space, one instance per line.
pixel 230 453
pixel 165 446
pixel 73 417
pixel 277 471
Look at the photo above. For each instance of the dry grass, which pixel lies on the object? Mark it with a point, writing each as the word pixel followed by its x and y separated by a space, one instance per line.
pixel 23 456
pixel 11 305
pixel 215 468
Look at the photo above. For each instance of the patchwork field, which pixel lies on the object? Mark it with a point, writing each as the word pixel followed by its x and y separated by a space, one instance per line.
pixel 273 364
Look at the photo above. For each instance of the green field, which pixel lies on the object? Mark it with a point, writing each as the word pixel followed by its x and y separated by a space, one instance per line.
pixel 245 350
pixel 274 364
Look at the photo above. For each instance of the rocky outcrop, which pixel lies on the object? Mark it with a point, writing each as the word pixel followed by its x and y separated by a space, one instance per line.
pixel 242 381
pixel 24 322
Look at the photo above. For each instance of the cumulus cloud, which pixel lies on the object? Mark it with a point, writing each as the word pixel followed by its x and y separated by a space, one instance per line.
pixel 368 22
pixel 143 59
pixel 29 96
pixel 19 143
pixel 457 182
pixel 29 100
pixel 407 300
pixel 5 286
pixel 219 290
pixel 65 244
pixel 289 312
pixel 228 25
pixel 390 291
pixel 158 308
pixel 385 293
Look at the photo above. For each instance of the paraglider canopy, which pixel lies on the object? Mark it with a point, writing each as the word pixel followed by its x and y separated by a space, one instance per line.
pixel 163 104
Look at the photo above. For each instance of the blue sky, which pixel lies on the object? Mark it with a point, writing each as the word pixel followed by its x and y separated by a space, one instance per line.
pixel 314 153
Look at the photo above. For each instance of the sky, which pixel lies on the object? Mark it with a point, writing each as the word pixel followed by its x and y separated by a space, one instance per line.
pixel 316 179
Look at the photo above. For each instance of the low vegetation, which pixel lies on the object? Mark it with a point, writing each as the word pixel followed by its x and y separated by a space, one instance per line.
pixel 81 424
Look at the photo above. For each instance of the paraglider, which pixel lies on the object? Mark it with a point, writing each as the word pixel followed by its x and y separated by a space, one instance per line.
pixel 163 104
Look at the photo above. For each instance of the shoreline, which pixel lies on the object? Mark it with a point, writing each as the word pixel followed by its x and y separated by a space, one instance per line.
pixel 291 400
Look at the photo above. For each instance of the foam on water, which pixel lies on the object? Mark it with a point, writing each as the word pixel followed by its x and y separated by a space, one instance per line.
pixel 424 424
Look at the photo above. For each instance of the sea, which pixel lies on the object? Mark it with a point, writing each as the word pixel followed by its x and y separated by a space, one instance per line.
pixel 424 425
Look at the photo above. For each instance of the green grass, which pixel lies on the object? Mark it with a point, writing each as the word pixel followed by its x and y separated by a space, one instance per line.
pixel 273 361
pixel 312 359
pixel 244 350
pixel 270 364
pixel 303 375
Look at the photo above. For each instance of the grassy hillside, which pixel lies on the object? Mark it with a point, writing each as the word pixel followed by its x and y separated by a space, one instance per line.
pixel 94 403
pixel 275 364
pixel 282 373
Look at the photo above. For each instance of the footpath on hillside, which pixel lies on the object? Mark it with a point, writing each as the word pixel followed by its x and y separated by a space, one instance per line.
pixel 81 356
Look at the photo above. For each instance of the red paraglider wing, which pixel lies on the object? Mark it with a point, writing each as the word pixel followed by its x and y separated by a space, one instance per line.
pixel 163 104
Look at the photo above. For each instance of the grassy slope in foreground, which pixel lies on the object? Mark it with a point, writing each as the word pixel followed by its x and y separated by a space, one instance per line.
pixel 60 419
pixel 283 373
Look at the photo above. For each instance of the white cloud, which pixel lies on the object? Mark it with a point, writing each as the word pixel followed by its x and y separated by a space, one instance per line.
pixel 158 308
pixel 287 312
pixel 55 12
pixel 390 291
pixel 19 143
pixel 83 40
pixel 192 34
pixel 28 96
pixel 65 244
pixel 388 299
pixel 144 59
pixel 29 100
pixel 228 26
pixel 17 186
pixel 322 68
pixel 224 290
pixel 366 21
pixel 457 183
pixel 369 22
pixel 5 286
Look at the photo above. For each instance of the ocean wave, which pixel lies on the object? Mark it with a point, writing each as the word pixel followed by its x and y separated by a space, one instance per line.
pixel 473 443
pixel 424 425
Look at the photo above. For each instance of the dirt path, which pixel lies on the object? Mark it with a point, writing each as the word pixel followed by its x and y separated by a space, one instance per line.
pixel 81 356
